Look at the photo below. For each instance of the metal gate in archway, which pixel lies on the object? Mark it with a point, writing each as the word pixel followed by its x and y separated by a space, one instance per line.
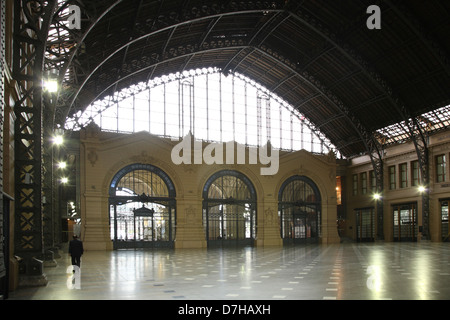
pixel 229 210
pixel 142 208
pixel 299 208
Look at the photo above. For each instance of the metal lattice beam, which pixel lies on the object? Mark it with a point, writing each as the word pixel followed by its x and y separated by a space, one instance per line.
pixel 4 256
pixel 31 24
pixel 68 104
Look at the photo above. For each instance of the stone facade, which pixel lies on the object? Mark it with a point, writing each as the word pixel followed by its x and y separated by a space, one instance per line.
pixel 103 154
pixel 400 190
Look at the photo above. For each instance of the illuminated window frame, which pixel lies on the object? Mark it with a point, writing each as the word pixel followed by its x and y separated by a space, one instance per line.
pixel 211 106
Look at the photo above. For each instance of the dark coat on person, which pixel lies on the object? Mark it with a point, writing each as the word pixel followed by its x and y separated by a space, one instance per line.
pixel 76 248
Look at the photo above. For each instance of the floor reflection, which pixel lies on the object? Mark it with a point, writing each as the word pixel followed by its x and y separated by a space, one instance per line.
pixel 361 271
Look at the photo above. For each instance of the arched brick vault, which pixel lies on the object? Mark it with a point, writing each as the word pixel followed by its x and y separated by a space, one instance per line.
pixel 318 55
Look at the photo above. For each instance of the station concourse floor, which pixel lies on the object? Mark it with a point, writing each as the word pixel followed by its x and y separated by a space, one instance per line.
pixel 346 271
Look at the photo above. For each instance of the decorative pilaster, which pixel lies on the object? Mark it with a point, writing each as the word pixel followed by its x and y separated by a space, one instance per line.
pixel 190 232
pixel 268 234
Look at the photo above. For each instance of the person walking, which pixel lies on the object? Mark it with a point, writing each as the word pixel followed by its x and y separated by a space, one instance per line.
pixel 76 251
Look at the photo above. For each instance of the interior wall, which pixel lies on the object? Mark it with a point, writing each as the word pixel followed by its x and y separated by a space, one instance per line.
pixel 439 144
pixel 103 154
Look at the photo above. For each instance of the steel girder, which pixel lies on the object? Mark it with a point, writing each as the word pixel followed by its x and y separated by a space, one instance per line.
pixel 417 135
pixel 372 146
pixel 4 257
pixel 69 103
pixel 215 17
pixel 31 24
pixel 67 62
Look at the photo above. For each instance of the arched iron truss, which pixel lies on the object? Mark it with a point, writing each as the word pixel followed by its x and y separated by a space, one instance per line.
pixel 31 26
pixel 4 213
pixel 35 54
pixel 373 148
pixel 98 107
pixel 189 51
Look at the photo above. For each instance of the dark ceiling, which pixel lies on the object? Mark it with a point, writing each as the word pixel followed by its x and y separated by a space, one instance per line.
pixel 319 55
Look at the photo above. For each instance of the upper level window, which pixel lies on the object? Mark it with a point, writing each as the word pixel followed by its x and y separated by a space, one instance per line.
pixel 355 184
pixel 414 173
pixel 363 182
pixel 210 105
pixel 440 168
pixel 403 175
pixel 392 178
pixel 373 181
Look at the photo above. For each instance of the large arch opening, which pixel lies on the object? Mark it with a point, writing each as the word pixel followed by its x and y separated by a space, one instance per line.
pixel 210 104
pixel 229 210
pixel 299 204
pixel 142 208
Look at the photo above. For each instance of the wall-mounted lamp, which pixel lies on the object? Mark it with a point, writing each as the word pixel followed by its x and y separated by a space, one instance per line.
pixel 58 140
pixel 50 83
pixel 51 86
pixel 422 189
pixel 58 137
pixel 62 164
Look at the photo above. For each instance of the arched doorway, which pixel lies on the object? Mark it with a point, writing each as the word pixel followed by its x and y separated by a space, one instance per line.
pixel 229 210
pixel 142 208
pixel 299 206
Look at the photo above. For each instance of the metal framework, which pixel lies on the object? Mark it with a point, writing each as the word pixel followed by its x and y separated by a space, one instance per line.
pixel 31 26
pixel 209 105
pixel 229 209
pixel 405 222
pixel 417 130
pixel 153 224
pixel 4 243
pixel 299 204
pixel 255 45
pixel 297 50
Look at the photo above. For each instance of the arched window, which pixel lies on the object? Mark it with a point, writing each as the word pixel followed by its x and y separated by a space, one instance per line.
pixel 299 206
pixel 212 105
pixel 229 209
pixel 142 207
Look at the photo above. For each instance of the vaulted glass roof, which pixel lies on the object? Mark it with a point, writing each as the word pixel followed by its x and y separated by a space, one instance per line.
pixel 428 123
pixel 209 104
pixel 352 82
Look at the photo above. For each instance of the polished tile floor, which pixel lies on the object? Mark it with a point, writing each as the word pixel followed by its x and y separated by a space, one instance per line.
pixel 347 271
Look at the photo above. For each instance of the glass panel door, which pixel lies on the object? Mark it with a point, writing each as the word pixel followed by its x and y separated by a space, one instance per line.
pixel 299 225
pixel 229 210
pixel 144 228
pixel 365 225
pixel 444 220
pixel 130 229
pixel 299 209
pixel 230 222
pixel 405 222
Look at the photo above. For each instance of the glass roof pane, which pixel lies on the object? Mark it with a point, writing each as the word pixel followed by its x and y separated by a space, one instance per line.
pixel 429 122
pixel 211 106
